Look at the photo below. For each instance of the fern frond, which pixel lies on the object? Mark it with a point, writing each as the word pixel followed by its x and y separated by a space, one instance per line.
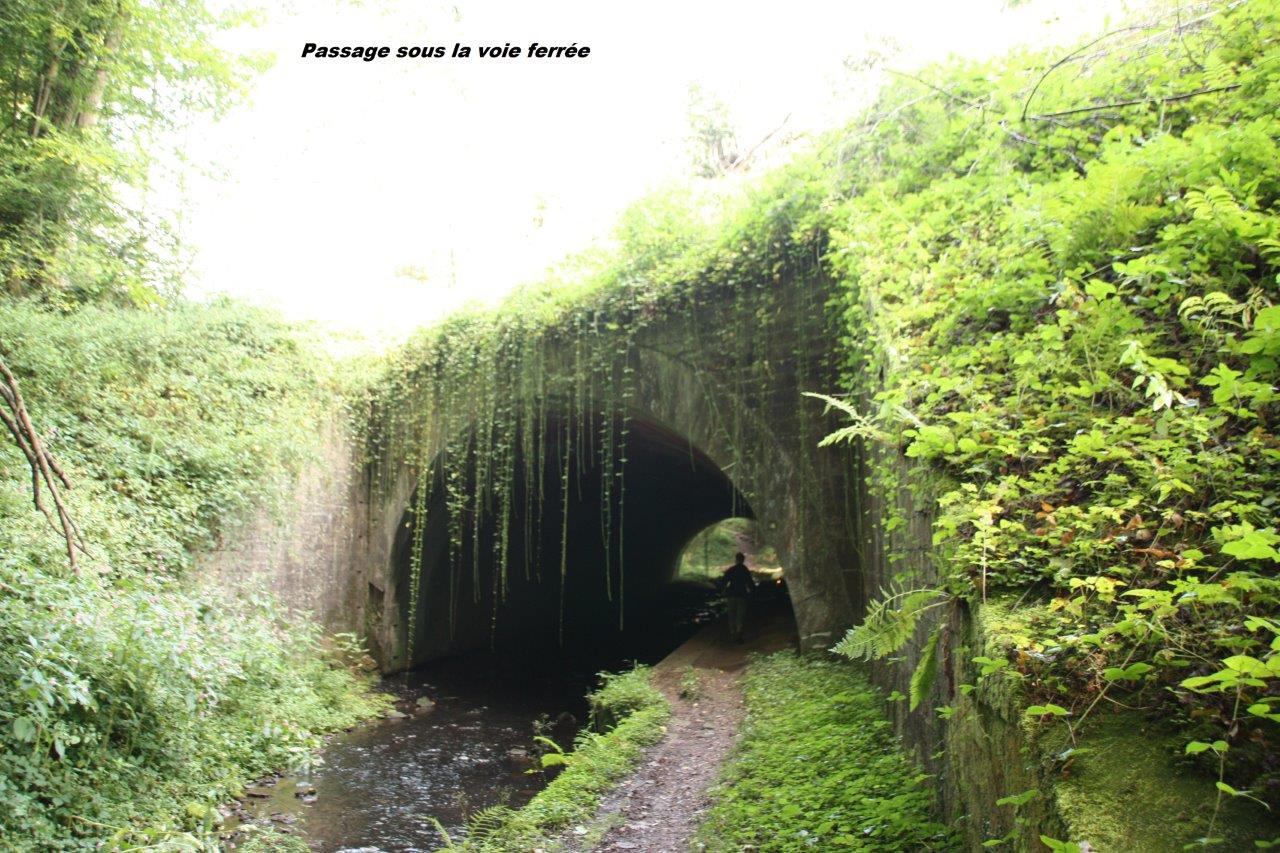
pixel 834 403
pixel 486 823
pixel 926 672
pixel 444 834
pixel 862 426
pixel 889 624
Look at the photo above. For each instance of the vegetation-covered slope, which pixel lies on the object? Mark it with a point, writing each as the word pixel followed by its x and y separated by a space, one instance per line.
pixel 1061 293
pixel 135 700
pixel 132 700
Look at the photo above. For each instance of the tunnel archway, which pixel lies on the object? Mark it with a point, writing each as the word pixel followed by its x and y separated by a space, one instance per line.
pixel 725 372
pixel 715 547
pixel 575 555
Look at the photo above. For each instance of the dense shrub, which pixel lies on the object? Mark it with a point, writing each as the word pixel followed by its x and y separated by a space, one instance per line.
pixel 621 695
pixel 135 699
pixel 1073 319
pixel 173 421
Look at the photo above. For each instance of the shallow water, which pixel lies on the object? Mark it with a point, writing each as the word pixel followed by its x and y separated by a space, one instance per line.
pixel 379 784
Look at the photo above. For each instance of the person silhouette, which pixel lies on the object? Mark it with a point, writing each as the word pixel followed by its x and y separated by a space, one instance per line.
pixel 738 585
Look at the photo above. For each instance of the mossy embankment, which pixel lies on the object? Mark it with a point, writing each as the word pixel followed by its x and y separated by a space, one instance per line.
pixel 136 698
pixel 1121 780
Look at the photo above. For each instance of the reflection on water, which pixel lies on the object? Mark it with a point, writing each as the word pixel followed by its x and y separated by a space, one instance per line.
pixel 468 749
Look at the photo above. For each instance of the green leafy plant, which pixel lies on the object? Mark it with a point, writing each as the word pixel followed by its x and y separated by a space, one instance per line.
pixel 1071 327
pixel 818 767
pixel 553 754
pixel 690 684
pixel 889 623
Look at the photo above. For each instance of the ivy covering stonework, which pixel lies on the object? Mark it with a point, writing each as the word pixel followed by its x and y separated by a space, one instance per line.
pixel 1061 294
pixel 494 410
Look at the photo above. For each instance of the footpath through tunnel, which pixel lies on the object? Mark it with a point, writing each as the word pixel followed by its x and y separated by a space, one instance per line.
pixel 575 557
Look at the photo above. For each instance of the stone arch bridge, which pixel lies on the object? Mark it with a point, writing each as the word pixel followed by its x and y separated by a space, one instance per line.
pixel 716 426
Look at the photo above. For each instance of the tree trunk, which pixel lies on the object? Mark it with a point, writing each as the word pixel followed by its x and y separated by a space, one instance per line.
pixel 44 90
pixel 88 116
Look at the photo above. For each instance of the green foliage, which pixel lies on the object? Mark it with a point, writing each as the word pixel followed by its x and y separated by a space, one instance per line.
pixel 173 421
pixel 1071 318
pixel 136 698
pixel 712 551
pixel 90 89
pixel 889 623
pixel 926 671
pixel 620 695
pixel 860 427
pixel 150 687
pixel 818 767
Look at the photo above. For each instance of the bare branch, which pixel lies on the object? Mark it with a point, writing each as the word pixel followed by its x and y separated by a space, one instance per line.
pixel 1178 29
pixel 44 468
pixel 938 89
pixel 1137 101
pixel 1070 56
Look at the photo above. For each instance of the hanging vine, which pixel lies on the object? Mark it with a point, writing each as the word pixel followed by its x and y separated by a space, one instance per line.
pixel 488 406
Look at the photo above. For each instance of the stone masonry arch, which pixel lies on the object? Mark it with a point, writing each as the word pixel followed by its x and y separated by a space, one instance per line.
pixel 698 384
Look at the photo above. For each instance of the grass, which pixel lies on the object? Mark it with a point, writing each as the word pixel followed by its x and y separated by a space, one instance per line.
pixel 818 768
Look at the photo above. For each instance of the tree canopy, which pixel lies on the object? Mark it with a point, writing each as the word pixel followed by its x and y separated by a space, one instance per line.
pixel 89 88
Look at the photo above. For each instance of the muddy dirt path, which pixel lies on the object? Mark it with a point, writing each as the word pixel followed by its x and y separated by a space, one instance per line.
pixel 659 808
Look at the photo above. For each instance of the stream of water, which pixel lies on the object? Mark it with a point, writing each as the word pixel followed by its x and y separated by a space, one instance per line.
pixel 465 743
pixel 462 740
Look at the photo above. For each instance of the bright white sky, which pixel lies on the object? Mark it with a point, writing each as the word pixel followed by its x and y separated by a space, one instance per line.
pixel 339 172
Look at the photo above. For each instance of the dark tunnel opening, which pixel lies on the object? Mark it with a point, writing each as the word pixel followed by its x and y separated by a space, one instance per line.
pixel 619 598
